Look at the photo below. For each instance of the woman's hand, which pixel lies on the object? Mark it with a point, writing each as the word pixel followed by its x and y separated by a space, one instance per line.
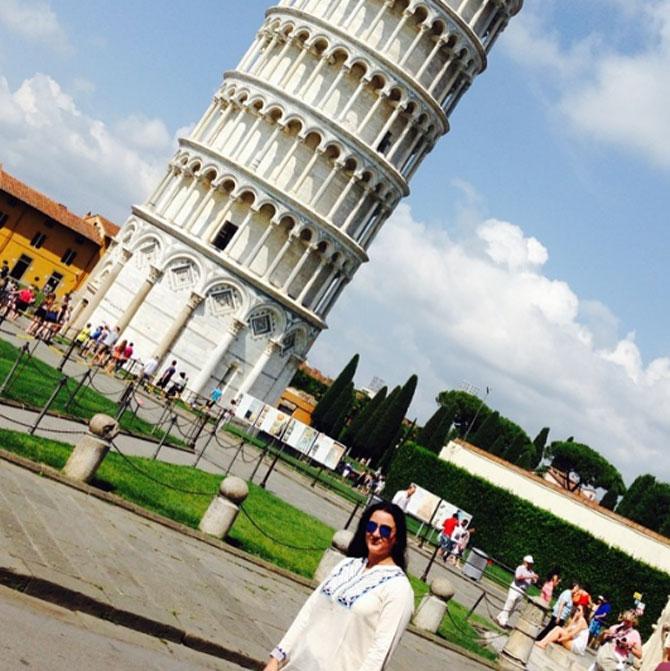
pixel 272 665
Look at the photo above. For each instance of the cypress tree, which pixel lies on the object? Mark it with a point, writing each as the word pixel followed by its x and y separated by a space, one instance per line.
pixel 361 441
pixel 499 446
pixel 629 506
pixel 383 433
pixel 432 425
pixel 527 457
pixel 349 432
pixel 439 437
pixel 330 398
pixel 487 433
pixel 339 413
pixel 540 443
pixel 516 449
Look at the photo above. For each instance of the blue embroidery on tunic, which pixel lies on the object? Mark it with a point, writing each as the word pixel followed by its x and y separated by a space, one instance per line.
pixel 359 583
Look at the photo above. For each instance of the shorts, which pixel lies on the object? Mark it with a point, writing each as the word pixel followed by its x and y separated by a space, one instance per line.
pixel 20 305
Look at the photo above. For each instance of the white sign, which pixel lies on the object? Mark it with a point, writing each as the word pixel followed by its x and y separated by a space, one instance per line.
pixel 430 509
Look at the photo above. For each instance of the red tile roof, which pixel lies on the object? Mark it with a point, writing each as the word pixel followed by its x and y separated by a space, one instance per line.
pixel 56 211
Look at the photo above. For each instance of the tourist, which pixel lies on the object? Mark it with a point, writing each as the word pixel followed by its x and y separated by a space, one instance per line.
pixel 460 541
pixel 227 413
pixel 148 370
pixel 444 539
pixel 83 336
pixel 573 636
pixel 562 610
pixel 178 386
pixel 665 636
pixel 354 619
pixel 524 577
pixel 402 497
pixel 214 397
pixel 117 353
pixel 602 610
pixel 24 299
pixel 552 581
pixel 619 643
pixel 92 343
pixel 167 375
pixel 105 345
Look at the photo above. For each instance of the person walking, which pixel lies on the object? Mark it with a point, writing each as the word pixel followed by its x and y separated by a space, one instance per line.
pixel 402 496
pixel 562 610
pixel 214 397
pixel 148 370
pixel 524 577
pixel 444 539
pixel 355 618
pixel 602 610
pixel 620 642
pixel 167 375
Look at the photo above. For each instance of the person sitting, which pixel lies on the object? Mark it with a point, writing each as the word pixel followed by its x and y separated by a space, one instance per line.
pixel 573 636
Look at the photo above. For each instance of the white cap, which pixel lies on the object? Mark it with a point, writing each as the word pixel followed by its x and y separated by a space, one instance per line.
pixel 529 559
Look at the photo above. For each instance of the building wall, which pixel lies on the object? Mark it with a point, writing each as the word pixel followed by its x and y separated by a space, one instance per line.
pixel 18 230
pixel 617 531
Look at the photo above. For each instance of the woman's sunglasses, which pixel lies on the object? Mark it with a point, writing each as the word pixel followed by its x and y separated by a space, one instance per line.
pixel 385 530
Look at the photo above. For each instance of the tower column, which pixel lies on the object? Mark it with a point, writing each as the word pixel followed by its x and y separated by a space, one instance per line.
pixel 249 258
pixel 380 14
pixel 373 110
pixel 438 45
pixel 175 329
pixel 272 347
pixel 401 26
pixel 286 77
pixel 306 289
pixel 102 290
pixel 354 212
pixel 419 36
pixel 214 359
pixel 298 266
pixel 138 299
pixel 280 255
pixel 324 287
pixel 335 168
pixel 158 192
pixel 341 198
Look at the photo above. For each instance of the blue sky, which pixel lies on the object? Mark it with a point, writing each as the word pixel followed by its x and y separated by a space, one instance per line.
pixel 543 213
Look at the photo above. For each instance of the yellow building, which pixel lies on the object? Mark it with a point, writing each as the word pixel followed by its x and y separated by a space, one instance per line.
pixel 43 242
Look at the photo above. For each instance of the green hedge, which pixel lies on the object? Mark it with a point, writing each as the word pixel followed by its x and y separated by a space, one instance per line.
pixel 509 528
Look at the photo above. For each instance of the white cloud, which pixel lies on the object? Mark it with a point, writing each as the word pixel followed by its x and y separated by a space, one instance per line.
pixel 81 161
pixel 605 89
pixel 454 311
pixel 34 21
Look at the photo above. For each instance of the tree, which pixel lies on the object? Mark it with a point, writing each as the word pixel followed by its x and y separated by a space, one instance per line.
pixel 330 398
pixel 499 446
pixel 338 413
pixel 630 504
pixel 361 442
pixel 469 411
pixel 654 508
pixel 487 432
pixel 301 380
pixel 540 443
pixel 348 433
pixel 590 467
pixel 433 435
pixel 517 447
pixel 383 433
pixel 527 457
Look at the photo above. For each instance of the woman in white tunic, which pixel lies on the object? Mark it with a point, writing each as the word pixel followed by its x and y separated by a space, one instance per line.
pixel 354 619
pixel 571 636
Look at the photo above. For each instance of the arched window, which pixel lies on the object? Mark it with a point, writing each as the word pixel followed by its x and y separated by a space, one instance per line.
pixel 183 275
pixel 262 323
pixel 223 299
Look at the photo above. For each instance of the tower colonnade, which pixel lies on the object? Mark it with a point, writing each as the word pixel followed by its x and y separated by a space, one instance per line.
pixel 270 205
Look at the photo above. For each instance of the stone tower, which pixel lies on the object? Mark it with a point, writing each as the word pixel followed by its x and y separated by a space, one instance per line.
pixel 269 206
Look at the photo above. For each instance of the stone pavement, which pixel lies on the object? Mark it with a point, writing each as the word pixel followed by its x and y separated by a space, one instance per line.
pixel 60 543
pixel 35 634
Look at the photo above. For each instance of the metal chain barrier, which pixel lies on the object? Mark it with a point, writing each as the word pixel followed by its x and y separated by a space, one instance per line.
pixel 71 432
pixel 276 540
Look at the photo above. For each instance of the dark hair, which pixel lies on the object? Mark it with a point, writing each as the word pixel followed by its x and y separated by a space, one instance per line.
pixel 359 548
pixel 554 572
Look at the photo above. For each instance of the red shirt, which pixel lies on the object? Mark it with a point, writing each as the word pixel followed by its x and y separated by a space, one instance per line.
pixel 449 526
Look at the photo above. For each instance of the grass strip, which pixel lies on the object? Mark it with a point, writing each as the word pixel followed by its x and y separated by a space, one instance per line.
pixel 36 380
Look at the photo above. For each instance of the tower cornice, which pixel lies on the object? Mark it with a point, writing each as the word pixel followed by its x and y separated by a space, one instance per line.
pixel 280 196
pixel 379 161
pixel 229 265
pixel 407 81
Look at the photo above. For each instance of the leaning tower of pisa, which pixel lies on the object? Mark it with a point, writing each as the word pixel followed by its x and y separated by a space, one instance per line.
pixel 270 205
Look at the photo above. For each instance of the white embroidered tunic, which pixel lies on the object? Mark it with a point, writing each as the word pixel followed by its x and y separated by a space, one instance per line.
pixel 353 621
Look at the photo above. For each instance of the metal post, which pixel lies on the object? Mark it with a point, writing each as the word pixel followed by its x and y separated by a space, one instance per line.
pixel 196 435
pixel 212 433
pixel 82 382
pixel 279 452
pixel 424 577
pixel 164 437
pixel 317 476
pixel 12 370
pixel 61 383
pixel 430 524
pixel 67 355
pixel 474 608
pixel 353 514
pixel 161 419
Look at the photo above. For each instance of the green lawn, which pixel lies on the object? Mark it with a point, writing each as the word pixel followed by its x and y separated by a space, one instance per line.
pixel 36 380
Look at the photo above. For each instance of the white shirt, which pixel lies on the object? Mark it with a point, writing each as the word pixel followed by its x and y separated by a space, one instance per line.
pixel 401 499
pixel 523 577
pixel 352 622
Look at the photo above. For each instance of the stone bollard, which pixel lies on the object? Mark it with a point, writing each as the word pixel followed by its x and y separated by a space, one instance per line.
pixel 433 606
pixel 334 554
pixel 92 448
pixel 225 506
pixel 519 646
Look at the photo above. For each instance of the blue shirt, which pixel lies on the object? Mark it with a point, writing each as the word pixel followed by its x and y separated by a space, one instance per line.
pixel 563 605
pixel 215 395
